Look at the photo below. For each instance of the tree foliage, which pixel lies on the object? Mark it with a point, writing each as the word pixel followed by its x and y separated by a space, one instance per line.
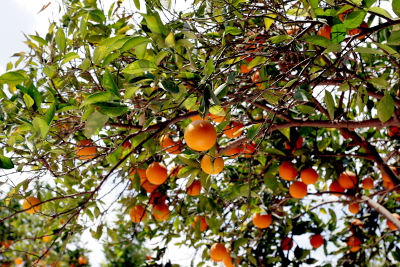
pixel 313 83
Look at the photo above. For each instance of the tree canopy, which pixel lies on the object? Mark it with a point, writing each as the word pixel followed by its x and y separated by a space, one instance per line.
pixel 237 128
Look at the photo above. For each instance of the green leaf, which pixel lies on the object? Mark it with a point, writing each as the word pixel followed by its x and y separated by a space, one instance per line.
pixel 253 131
pixel 354 19
pixel 154 22
pixel 111 109
pixel 99 97
pixel 106 47
pixel 388 49
pixel 338 33
pixel 209 68
pixel 367 50
pixel 170 40
pixel 160 56
pixel 268 20
pixel 28 101
pixel 109 84
pixel 380 82
pixel 232 30
pixel 49 115
pixel 83 25
pixel 94 124
pixel 139 66
pixel 394 38
pixel 396 7
pixel 60 39
pixel 12 77
pixel 39 39
pixel 133 42
pixel 302 95
pixel 85 64
pixel 380 11
pixel 170 86
pixel 272 150
pixel 318 40
pixel 6 163
pixel 330 104
pixel 41 127
pixel 385 108
pixel 70 56
pixel 189 162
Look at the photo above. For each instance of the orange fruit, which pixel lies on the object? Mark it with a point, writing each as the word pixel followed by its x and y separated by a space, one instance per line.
pixel 298 189
pixel 262 221
pixel 355 248
pixel 309 176
pixel 6 243
pixel 335 187
pixel 18 261
pixel 354 208
pixel 393 130
pixel 325 31
pixel 137 213
pixel 200 135
pixel 248 149
pixel 287 171
pixel 126 145
pixel 194 189
pixel 217 118
pixel 170 146
pixel 368 183
pixel 316 241
pixel 149 187
pixel 233 152
pixel 245 69
pixel 46 239
pixel 359 30
pixel 353 241
pixel 347 179
pixel 82 260
pixel 161 212
pixel 85 150
pixel 218 252
pixel 201 221
pixel 234 130
pixel 255 78
pixel 228 261
pixel 157 173
pixel 29 202
pixel 287 243
pixel 387 179
pixel 148 257
pixel 388 185
pixel 157 198
pixel 196 117
pixel 212 165
pixel 391 225
pixel 355 223
pixel 141 173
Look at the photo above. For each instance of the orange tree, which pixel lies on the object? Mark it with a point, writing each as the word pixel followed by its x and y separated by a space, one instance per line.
pixel 300 100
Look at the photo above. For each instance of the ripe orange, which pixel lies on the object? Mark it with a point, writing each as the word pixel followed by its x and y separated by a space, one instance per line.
pixel 347 179
pixel 157 198
pixel 126 145
pixel 298 189
pixel 316 241
pixel 359 30
pixel 248 149
pixel 137 213
pixel 201 221
pixel 391 225
pixel 354 224
pixel 287 243
pixel 161 212
pixel 388 185
pixel 196 117
pixel 6 243
pixel 18 261
pixel 85 150
pixel 82 260
pixel 354 208
pixel 170 146
pixel 228 261
pixel 200 135
pixel 29 202
pixel 325 31
pixel 149 187
pixel 335 187
pixel 255 78
pixel 368 183
pixel 234 130
pixel 287 171
pixel 217 118
pixel 46 239
pixel 212 165
pixel 309 176
pixel 355 248
pixel 157 173
pixel 218 252
pixel 233 152
pixel 194 189
pixel 141 173
pixel 353 241
pixel 262 221
pixel 245 69
pixel 387 179
pixel 393 130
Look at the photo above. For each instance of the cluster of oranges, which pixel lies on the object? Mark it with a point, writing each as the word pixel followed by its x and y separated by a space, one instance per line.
pixel 218 253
